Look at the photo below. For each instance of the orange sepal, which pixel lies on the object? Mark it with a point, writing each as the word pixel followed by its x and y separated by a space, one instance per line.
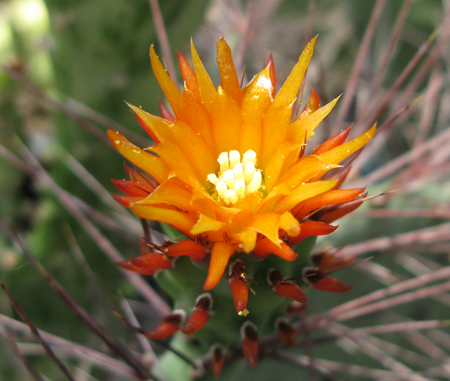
pixel 126 201
pixel 286 331
pixel 250 339
pixel 335 212
pixel 239 289
pixel 138 177
pixel 312 228
pixel 188 75
pixel 264 247
pixel 171 324
pixel 132 188
pixel 220 254
pixel 164 112
pixel 152 261
pixel 194 250
pixel 290 290
pixel 148 129
pixel 129 266
pixel 334 141
pixel 218 359
pixel 196 321
pixel 228 75
pixel 326 261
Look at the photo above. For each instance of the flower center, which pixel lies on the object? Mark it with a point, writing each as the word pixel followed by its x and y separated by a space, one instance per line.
pixel 236 178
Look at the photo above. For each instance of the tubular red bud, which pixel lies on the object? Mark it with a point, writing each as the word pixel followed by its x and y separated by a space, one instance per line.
pixel 320 281
pixel 286 288
pixel 171 324
pixel 194 250
pixel 326 261
pixel 312 228
pixel 200 315
pixel 218 359
pixel 250 339
pixel 153 261
pixel 286 331
pixel 237 280
pixel 295 308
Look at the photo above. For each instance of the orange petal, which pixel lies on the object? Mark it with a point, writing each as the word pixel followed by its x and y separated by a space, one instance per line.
pixel 289 224
pixel 290 290
pixel 169 88
pixel 272 74
pixel 220 254
pixel 188 75
pixel 290 88
pixel 245 240
pixel 206 224
pixel 129 266
pixel 266 224
pixel 275 164
pixel 179 220
pixel 312 228
pixel 194 250
pixel 228 75
pixel 147 162
pixel 334 141
pixel 264 247
pixel 196 321
pixel 126 201
pixel 152 261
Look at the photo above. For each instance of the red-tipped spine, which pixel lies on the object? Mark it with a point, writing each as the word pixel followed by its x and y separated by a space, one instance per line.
pixel 201 314
pixel 250 339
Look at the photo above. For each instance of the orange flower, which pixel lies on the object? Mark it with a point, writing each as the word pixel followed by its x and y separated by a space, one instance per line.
pixel 229 168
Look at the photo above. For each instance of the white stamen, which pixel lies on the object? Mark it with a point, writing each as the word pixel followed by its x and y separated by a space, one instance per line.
pixel 235 180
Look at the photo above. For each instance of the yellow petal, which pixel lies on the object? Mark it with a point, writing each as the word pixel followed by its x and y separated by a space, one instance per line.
pixel 170 90
pixel 220 255
pixel 289 224
pixel 179 220
pixel 276 163
pixel 257 99
pixel 339 153
pixel 149 163
pixel 303 192
pixel 207 89
pixel 266 224
pixel 172 156
pixel 290 88
pixel 245 240
pixel 206 224
pixel 228 75
pixel 301 130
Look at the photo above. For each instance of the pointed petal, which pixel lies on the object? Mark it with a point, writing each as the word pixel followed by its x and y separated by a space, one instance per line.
pixel 228 75
pixel 290 88
pixel 126 201
pixel 207 89
pixel 304 128
pixel 334 141
pixel 165 114
pixel 330 284
pixel 132 188
pixel 337 154
pixel 188 75
pixel 149 163
pixel 246 240
pixel 274 167
pixel 169 88
pixel 312 105
pixel 129 266
pixel 289 224
pixel 220 254
pixel 206 224
pixel 326 261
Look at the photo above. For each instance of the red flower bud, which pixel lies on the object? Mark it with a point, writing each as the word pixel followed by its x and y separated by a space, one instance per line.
pixel 200 315
pixel 170 324
pixel 250 338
